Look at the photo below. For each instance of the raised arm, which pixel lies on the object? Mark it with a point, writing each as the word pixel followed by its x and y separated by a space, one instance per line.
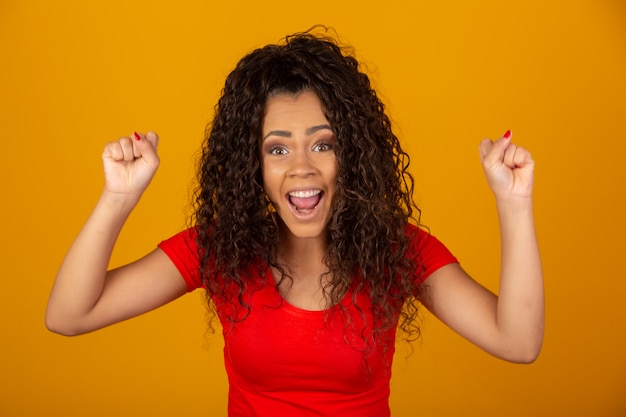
pixel 510 325
pixel 86 296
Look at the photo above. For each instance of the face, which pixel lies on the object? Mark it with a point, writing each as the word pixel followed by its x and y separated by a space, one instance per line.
pixel 298 162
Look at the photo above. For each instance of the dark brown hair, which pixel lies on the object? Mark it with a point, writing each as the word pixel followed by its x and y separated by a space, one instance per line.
pixel 367 232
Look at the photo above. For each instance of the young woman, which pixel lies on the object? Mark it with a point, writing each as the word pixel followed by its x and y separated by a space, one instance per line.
pixel 307 241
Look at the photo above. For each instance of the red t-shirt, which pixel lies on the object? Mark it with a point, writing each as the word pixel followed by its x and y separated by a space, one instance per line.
pixel 285 361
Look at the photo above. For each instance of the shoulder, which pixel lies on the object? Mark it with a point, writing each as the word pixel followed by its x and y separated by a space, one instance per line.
pixel 181 249
pixel 181 245
pixel 428 252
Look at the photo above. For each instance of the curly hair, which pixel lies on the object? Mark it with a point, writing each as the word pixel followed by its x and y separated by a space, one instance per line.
pixel 367 234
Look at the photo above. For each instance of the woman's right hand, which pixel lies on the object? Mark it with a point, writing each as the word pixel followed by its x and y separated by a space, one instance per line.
pixel 130 164
pixel 86 295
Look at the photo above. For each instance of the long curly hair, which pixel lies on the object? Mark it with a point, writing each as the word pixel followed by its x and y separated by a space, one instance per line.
pixel 367 234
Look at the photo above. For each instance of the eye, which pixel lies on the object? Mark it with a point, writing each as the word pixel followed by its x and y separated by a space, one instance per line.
pixel 277 150
pixel 322 147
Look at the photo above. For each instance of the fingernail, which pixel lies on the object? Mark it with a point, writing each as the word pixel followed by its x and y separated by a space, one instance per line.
pixel 136 136
pixel 507 135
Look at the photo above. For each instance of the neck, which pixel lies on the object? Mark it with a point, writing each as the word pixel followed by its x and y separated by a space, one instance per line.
pixel 302 259
pixel 300 252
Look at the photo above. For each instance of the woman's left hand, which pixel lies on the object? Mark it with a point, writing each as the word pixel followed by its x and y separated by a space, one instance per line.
pixel 509 325
pixel 509 168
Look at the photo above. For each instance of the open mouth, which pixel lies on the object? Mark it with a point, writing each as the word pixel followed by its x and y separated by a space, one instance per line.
pixel 304 201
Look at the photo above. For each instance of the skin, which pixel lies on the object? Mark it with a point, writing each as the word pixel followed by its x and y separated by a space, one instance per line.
pixel 297 154
pixel 510 325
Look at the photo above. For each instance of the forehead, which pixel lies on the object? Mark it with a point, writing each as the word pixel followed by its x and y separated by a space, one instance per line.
pixel 288 109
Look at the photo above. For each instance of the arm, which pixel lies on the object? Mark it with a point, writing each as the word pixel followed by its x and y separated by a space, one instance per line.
pixel 86 296
pixel 510 325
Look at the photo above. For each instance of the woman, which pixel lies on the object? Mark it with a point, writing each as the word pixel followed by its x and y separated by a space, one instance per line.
pixel 307 241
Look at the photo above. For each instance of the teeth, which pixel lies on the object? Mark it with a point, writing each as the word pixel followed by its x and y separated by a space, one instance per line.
pixel 304 193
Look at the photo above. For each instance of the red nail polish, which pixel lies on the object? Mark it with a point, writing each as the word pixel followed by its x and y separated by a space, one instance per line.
pixel 136 136
pixel 507 135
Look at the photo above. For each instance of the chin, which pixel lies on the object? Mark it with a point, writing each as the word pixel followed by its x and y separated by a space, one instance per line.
pixel 307 233
pixel 304 231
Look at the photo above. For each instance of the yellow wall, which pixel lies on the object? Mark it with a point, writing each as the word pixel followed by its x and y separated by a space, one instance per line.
pixel 75 74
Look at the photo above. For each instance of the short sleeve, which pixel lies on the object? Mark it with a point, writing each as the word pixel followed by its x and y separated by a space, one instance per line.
pixel 181 249
pixel 430 254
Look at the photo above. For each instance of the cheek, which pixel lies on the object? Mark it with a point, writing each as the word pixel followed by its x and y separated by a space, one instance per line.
pixel 332 171
pixel 271 185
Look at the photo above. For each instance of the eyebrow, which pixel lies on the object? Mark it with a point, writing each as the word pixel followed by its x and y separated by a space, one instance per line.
pixel 287 134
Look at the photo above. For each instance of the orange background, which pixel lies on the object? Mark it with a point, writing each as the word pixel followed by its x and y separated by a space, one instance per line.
pixel 74 75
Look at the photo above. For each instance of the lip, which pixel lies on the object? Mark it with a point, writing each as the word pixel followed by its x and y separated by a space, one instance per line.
pixel 309 190
pixel 310 213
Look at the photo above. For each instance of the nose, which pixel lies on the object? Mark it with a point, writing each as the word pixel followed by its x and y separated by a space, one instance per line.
pixel 301 165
